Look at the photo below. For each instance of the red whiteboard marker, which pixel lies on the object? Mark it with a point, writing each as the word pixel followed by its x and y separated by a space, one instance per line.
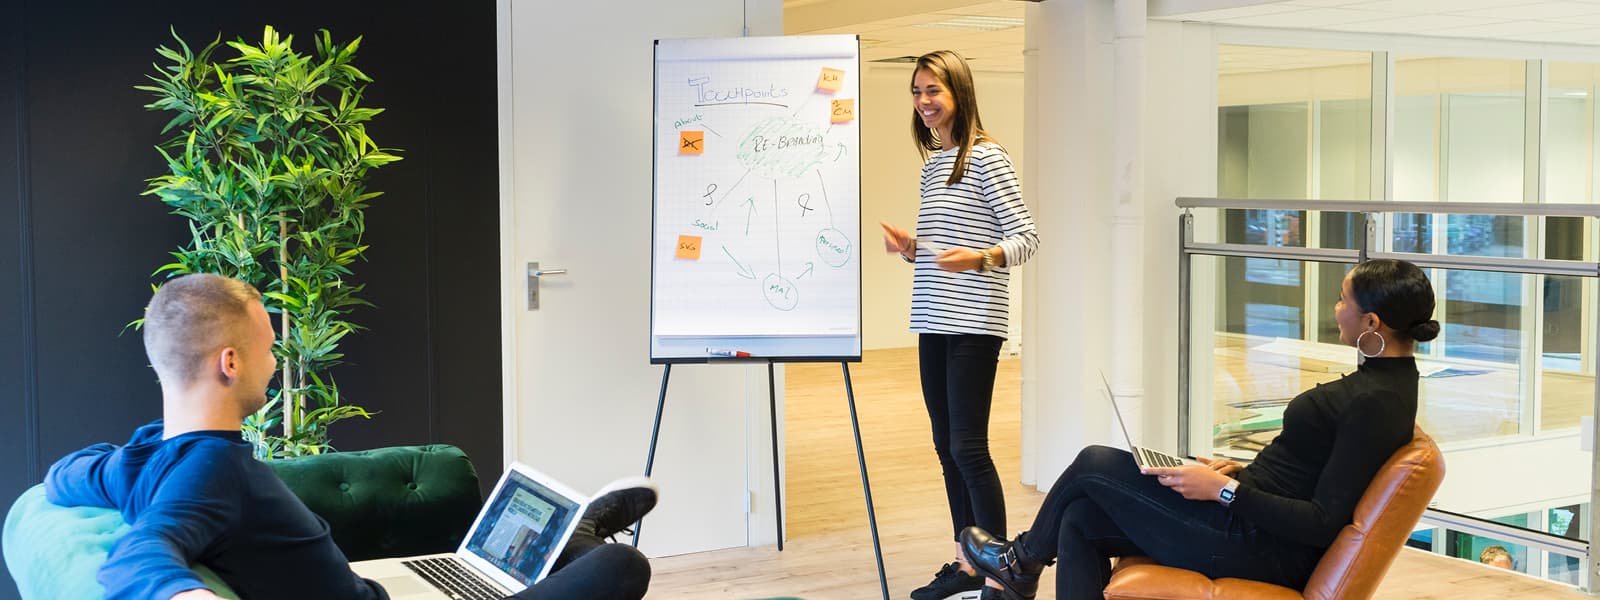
pixel 724 352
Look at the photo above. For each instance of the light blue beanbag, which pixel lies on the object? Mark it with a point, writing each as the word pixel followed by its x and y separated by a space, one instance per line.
pixel 56 552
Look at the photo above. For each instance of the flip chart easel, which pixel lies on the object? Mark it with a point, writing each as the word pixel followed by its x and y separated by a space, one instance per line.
pixel 777 492
pixel 756 215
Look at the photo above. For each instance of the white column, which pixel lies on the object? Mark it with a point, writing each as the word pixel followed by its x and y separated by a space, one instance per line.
pixel 1069 149
pixel 1107 92
pixel 1127 221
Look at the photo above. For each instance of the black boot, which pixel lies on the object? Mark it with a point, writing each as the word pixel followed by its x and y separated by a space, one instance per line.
pixel 1001 561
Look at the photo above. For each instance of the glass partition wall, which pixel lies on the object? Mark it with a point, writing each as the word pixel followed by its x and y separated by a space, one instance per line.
pixel 1510 380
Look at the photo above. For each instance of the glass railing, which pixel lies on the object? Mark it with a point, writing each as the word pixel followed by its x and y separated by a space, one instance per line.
pixel 1507 388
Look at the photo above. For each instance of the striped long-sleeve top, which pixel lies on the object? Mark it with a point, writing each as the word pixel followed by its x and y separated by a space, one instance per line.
pixel 982 210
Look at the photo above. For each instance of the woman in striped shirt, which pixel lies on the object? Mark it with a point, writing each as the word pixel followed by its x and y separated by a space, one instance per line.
pixel 972 227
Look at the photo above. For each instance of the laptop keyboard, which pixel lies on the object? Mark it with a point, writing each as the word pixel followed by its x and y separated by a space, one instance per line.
pixel 1157 459
pixel 451 577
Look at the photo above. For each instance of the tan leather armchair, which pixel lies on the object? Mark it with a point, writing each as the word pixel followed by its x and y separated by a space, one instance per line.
pixel 1353 565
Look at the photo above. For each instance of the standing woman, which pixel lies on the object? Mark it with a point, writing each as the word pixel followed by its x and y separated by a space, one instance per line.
pixel 972 227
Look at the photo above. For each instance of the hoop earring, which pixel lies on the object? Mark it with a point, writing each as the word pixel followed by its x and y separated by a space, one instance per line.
pixel 1382 343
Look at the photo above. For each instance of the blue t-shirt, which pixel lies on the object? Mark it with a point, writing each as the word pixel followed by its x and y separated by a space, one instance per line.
pixel 201 497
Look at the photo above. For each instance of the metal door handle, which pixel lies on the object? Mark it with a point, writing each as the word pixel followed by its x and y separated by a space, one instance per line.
pixel 534 273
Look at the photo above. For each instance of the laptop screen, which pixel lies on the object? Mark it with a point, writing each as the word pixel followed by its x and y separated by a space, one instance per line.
pixel 522 527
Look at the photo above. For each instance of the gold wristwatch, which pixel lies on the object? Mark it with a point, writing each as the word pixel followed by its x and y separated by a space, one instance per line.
pixel 988 260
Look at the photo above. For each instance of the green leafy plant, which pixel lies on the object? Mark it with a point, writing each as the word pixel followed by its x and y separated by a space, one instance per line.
pixel 267 159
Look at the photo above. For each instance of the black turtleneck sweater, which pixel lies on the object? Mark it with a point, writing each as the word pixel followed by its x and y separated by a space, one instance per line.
pixel 1304 486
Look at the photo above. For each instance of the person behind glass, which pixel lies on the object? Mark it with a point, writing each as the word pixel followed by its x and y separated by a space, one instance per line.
pixel 972 227
pixel 1497 556
pixel 1270 521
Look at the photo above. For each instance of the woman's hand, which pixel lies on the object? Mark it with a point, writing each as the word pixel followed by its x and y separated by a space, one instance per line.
pixel 1225 466
pixel 1195 482
pixel 957 260
pixel 896 239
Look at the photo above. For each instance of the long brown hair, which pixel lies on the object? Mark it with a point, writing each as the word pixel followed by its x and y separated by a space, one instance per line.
pixel 966 126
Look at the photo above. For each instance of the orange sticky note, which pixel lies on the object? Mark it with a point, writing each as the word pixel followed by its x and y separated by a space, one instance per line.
pixel 689 247
pixel 691 142
pixel 844 111
pixel 830 80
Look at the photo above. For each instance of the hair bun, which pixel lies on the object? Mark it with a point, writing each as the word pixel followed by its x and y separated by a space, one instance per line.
pixel 1424 331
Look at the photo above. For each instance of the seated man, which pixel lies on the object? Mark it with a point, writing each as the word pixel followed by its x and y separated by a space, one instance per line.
pixel 192 492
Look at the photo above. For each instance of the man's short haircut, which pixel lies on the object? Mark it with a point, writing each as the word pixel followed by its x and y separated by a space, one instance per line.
pixel 192 316
pixel 1492 552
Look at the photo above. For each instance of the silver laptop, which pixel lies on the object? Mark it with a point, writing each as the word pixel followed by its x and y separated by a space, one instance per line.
pixel 513 543
pixel 1145 457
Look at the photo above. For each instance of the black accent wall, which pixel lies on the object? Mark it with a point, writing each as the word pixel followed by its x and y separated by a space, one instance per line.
pixel 78 242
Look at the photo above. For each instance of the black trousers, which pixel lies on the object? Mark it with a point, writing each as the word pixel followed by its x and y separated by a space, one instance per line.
pixel 958 387
pixel 1103 507
pixel 592 569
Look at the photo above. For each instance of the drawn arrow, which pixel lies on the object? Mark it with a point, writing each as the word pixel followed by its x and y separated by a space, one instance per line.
pixel 777 226
pixel 824 184
pixel 841 153
pixel 809 267
pixel 751 202
pixel 730 190
pixel 744 271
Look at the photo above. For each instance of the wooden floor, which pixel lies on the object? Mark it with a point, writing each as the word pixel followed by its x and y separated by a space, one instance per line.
pixel 829 549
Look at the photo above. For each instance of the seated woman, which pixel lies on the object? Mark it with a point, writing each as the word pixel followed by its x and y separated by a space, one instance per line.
pixel 1270 521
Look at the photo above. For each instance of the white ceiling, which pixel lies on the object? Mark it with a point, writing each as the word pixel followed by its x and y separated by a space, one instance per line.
pixel 897 28
pixel 915 32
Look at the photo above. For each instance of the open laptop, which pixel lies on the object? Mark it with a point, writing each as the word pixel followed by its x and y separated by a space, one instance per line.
pixel 512 544
pixel 1145 457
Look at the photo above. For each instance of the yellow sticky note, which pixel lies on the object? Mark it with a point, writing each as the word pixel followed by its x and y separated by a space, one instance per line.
pixel 689 247
pixel 691 142
pixel 830 80
pixel 844 111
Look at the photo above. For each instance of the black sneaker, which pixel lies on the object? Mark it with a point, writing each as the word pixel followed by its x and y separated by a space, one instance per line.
pixel 992 593
pixel 950 582
pixel 618 505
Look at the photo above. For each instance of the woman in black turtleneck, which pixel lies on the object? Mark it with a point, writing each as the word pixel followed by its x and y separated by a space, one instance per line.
pixel 1270 521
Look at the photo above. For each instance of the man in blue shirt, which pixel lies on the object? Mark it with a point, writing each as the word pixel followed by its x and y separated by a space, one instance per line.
pixel 192 491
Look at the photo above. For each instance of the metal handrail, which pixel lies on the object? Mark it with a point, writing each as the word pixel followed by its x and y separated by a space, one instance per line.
pixel 1548 542
pixel 1378 206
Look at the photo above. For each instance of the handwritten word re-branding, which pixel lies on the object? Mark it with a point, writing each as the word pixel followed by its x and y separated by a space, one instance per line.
pixel 761 143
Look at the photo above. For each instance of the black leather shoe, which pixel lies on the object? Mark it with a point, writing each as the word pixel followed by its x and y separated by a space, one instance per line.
pixel 998 559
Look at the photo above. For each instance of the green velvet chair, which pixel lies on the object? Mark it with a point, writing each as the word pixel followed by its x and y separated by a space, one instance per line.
pixel 380 503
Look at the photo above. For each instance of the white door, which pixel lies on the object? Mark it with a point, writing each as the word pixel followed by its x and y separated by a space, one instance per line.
pixel 575 119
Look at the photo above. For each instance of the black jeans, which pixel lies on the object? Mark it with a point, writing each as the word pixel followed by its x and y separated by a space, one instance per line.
pixel 592 569
pixel 1103 507
pixel 958 387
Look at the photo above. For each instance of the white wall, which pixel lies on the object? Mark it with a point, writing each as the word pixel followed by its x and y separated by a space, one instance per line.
pixel 575 113
pixel 890 169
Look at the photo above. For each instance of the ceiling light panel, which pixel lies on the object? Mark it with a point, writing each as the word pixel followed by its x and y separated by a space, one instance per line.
pixel 975 23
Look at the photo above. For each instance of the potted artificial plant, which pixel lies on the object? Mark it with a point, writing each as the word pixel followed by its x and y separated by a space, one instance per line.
pixel 267 159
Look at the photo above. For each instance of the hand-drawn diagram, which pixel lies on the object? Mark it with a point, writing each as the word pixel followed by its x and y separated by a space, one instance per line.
pixel 757 164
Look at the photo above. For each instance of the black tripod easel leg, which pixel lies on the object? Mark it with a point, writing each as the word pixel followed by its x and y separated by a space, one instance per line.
pixel 655 433
pixel 777 485
pixel 866 486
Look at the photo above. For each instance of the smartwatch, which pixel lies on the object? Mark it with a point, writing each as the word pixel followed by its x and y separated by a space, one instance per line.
pixel 1228 492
